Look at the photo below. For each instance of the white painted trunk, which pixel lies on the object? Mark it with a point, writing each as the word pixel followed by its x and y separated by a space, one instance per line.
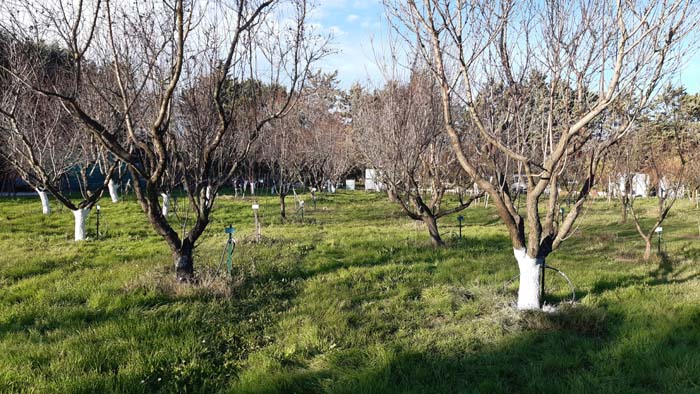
pixel 208 193
pixel 252 188
pixel 112 186
pixel 44 197
pixel 80 216
pixel 165 208
pixel 529 290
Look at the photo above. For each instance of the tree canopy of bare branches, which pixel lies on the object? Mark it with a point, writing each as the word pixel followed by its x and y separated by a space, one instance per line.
pixel 174 89
pixel 39 139
pixel 535 81
pixel 398 131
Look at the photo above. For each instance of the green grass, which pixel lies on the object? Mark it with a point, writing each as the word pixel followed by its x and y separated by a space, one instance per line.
pixel 354 300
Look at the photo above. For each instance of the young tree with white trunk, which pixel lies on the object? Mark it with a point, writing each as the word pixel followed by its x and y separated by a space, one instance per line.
pixel 172 88
pixel 40 140
pixel 484 55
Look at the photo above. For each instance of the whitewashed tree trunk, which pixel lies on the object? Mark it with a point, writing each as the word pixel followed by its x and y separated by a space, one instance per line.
pixel 529 290
pixel 252 188
pixel 80 216
pixel 165 208
pixel 112 186
pixel 208 193
pixel 44 197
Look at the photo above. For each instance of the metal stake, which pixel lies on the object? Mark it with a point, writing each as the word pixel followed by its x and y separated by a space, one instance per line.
pixel 97 237
pixel 256 207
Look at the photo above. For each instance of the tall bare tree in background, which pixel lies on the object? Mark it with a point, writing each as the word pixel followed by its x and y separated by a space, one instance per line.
pixel 284 156
pixel 590 54
pixel 162 59
pixel 311 146
pixel 398 130
pixel 328 142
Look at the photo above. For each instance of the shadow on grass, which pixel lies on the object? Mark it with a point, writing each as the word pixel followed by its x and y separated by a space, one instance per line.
pixel 570 352
pixel 577 351
pixel 664 274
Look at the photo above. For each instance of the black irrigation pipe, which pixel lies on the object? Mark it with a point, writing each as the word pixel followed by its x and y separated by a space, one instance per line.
pixel 571 284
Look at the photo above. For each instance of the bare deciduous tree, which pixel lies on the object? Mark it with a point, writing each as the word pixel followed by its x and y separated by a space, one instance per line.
pixel 399 131
pixel 178 90
pixel 40 140
pixel 661 147
pixel 484 55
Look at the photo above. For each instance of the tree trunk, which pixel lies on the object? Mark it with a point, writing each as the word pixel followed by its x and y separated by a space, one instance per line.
pixel 252 188
pixel 647 249
pixel 165 210
pixel 529 290
pixel 184 264
pixel 80 215
pixel 624 210
pixel 44 197
pixel 283 206
pixel 431 223
pixel 112 186
pixel 207 194
pixel 392 195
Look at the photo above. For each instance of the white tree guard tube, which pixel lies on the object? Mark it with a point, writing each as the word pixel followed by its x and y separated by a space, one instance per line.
pixel 165 208
pixel 112 186
pixel 80 216
pixel 529 290
pixel 44 197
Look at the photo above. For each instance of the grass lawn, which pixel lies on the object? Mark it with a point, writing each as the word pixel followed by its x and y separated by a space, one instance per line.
pixel 353 300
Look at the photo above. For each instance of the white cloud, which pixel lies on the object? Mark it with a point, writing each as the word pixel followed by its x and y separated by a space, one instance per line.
pixel 336 31
pixel 352 18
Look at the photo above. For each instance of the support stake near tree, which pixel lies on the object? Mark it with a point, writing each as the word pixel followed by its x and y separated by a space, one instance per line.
pixel 460 219
pixel 256 207
pixel 227 254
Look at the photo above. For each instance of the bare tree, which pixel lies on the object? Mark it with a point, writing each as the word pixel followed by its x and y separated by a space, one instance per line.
pixel 284 156
pixel 159 59
pixel 484 55
pixel 691 110
pixel 311 144
pixel 40 140
pixel 661 147
pixel 327 144
pixel 398 131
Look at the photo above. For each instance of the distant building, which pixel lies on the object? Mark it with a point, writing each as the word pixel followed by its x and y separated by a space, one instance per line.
pixel 372 182
pixel 640 186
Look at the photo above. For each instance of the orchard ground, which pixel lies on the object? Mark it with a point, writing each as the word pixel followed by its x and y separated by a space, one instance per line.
pixel 353 300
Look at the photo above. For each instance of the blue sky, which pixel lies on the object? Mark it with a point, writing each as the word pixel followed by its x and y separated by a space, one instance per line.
pixel 358 26
pixel 360 29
